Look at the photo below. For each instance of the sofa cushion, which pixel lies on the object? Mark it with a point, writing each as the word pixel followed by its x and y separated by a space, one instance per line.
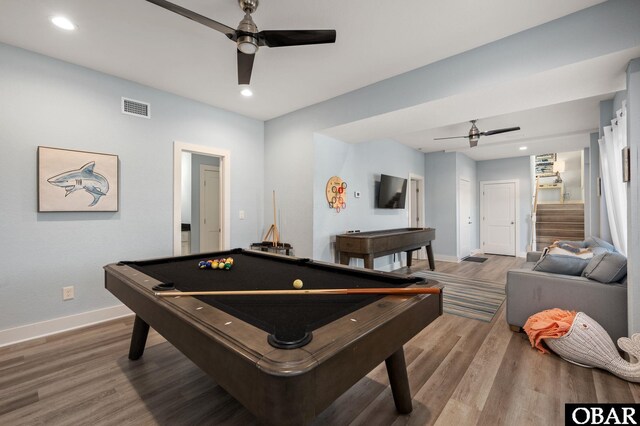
pixel 561 264
pixel 608 267
pixel 597 242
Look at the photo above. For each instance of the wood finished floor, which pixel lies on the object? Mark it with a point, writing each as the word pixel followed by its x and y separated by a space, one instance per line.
pixel 461 372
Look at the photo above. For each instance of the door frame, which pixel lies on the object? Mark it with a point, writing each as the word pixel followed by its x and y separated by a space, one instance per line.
pixel 421 254
pixel 225 191
pixel 517 211
pixel 203 168
pixel 459 216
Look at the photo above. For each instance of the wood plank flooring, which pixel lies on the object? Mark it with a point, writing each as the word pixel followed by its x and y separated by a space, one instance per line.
pixel 461 372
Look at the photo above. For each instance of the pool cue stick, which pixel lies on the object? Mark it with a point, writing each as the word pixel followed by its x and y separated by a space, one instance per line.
pixel 330 291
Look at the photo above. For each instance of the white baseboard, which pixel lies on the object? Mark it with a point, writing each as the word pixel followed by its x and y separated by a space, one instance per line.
pixel 390 267
pixel 522 254
pixel 476 252
pixel 446 258
pixel 11 336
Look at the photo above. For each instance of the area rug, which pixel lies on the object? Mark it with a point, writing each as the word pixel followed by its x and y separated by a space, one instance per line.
pixel 466 297
pixel 474 259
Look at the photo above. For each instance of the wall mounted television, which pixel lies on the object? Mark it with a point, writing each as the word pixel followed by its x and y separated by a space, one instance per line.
pixel 393 192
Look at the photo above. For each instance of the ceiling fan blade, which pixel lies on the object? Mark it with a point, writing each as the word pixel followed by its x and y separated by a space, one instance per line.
pixel 451 137
pixel 245 65
pixel 281 38
pixel 497 131
pixel 228 31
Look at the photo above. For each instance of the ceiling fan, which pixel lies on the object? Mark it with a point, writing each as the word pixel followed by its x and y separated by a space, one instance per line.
pixel 474 134
pixel 247 37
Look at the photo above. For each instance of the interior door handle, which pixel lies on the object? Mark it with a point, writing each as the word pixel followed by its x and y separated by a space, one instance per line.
pixel 513 223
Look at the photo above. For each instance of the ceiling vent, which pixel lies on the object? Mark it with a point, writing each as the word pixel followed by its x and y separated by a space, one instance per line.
pixel 137 108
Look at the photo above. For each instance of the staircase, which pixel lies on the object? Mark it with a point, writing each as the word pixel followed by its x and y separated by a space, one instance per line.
pixel 562 221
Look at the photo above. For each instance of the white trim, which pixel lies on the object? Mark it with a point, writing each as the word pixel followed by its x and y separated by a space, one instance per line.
pixel 517 211
pixel 458 217
pixel 225 193
pixel 390 266
pixel 446 258
pixel 23 333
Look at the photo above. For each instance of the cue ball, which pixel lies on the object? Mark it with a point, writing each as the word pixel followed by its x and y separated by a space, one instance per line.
pixel 297 284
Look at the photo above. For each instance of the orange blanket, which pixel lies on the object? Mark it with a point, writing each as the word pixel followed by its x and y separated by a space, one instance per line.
pixel 549 324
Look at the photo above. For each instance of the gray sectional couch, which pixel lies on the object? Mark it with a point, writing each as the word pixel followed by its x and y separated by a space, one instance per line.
pixel 530 291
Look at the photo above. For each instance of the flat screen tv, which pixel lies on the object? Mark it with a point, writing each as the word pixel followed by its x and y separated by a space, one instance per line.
pixel 393 192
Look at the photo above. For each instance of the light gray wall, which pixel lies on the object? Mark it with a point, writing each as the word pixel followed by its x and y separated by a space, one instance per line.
pixel 442 201
pixel 52 103
pixel 289 140
pixel 633 195
pixel 513 168
pixel 360 165
pixel 196 162
pixel 466 168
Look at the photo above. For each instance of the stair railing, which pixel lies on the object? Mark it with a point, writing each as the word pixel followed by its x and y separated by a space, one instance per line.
pixel 534 211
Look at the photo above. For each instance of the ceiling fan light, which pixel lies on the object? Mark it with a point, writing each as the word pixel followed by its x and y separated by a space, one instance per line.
pixel 247 45
pixel 245 90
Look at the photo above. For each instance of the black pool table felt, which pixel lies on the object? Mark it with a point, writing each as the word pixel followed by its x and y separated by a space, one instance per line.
pixel 289 318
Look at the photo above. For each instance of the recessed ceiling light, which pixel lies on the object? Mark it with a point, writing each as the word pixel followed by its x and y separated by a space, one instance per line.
pixel 246 91
pixel 522 148
pixel 63 22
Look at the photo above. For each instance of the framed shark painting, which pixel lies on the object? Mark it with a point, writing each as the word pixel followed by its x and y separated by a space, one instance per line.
pixel 76 181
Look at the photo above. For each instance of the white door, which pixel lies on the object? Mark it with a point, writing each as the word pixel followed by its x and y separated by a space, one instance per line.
pixel 465 218
pixel 209 209
pixel 499 218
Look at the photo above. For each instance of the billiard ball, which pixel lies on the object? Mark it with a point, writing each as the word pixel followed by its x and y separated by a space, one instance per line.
pixel 202 264
pixel 297 284
pixel 221 265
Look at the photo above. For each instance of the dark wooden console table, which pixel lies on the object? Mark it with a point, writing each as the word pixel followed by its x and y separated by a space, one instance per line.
pixel 369 245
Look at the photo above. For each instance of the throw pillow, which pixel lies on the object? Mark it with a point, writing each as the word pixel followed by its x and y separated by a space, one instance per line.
pixel 568 250
pixel 580 244
pixel 561 264
pixel 608 267
pixel 597 242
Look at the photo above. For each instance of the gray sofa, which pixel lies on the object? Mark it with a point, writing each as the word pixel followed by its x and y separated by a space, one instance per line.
pixel 529 292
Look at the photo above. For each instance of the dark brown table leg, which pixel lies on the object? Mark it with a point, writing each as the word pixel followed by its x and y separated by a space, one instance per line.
pixel 409 256
pixel 138 338
pixel 397 371
pixel 368 261
pixel 432 263
pixel 344 259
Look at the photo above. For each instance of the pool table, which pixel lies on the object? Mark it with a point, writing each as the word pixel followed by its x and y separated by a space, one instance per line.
pixel 285 358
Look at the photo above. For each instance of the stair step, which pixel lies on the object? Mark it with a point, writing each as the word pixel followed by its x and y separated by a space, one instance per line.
pixel 559 219
pixel 560 207
pixel 577 226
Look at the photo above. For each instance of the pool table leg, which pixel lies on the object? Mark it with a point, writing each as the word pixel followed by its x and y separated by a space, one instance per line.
pixel 397 371
pixel 138 338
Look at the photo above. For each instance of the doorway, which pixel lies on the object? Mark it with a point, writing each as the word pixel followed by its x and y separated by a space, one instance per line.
pixel 464 219
pixel 224 173
pixel 499 209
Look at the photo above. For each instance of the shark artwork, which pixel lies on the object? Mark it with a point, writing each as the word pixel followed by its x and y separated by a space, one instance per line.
pixel 83 178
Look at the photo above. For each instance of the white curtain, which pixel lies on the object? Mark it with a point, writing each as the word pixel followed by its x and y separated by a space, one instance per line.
pixel 615 190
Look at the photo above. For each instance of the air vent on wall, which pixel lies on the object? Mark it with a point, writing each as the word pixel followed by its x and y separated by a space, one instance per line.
pixel 137 108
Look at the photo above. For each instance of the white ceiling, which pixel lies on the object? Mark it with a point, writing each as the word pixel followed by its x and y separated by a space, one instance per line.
pixel 376 39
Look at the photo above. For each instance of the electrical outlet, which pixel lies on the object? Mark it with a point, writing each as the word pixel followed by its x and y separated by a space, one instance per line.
pixel 67 293
pixel 241 215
